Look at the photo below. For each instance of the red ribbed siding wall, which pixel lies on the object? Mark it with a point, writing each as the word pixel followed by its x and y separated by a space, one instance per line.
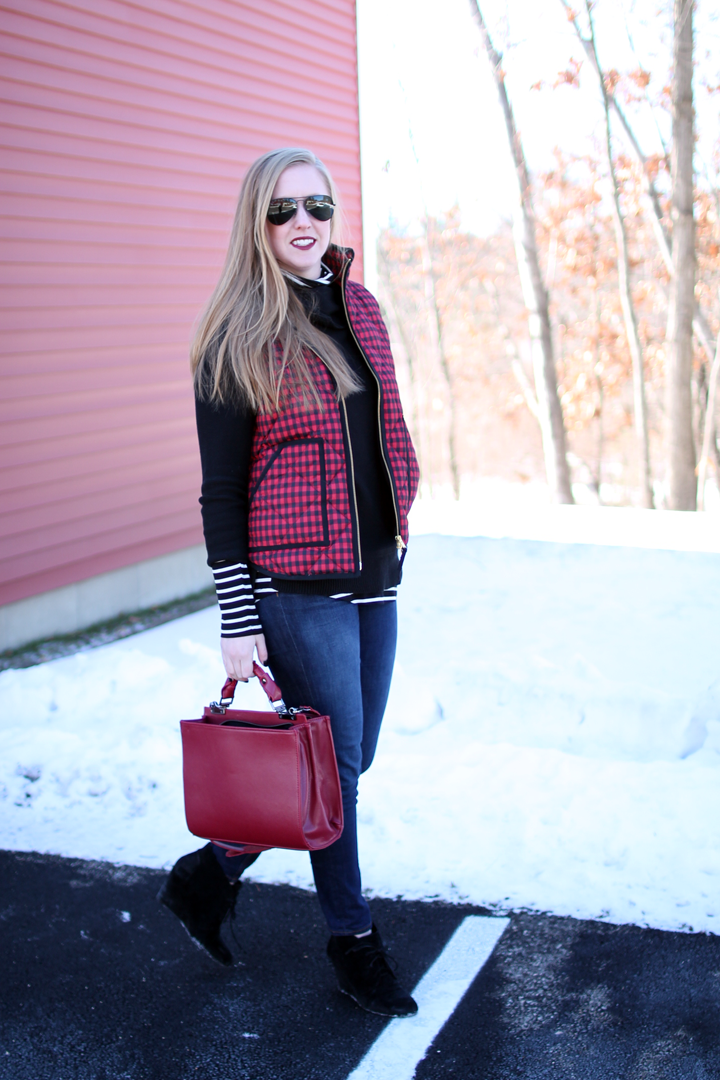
pixel 126 128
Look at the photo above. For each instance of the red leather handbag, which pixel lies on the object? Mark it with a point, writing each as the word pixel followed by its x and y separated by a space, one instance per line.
pixel 261 779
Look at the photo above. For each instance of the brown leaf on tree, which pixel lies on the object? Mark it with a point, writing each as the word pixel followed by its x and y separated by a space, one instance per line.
pixel 655 164
pixel 612 78
pixel 569 77
pixel 640 77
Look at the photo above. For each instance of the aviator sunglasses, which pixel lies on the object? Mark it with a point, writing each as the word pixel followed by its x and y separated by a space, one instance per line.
pixel 321 207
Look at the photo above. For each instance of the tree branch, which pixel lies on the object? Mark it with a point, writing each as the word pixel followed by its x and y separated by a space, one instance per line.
pixel 701 324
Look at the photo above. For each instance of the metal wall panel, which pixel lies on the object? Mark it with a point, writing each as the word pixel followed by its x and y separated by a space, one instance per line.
pixel 125 130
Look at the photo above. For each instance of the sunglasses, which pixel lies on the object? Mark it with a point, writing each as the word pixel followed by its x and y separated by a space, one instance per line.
pixel 321 207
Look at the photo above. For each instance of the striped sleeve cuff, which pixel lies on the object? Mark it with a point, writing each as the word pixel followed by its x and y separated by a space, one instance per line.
pixel 263 586
pixel 238 614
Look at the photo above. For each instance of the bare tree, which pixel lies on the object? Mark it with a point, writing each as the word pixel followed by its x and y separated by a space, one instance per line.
pixel 626 300
pixel 397 324
pixel 535 294
pixel 709 433
pixel 512 350
pixel 435 326
pixel 701 324
pixel 682 486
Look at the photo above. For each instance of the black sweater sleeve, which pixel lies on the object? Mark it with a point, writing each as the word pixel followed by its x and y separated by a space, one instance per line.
pixel 225 435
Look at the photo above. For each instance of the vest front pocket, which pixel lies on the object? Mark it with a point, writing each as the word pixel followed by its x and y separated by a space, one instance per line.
pixel 288 499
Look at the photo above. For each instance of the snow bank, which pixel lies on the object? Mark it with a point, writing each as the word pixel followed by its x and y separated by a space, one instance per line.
pixel 552 740
pixel 499 508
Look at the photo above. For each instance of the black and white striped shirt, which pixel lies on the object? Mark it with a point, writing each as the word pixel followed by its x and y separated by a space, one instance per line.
pixel 237 593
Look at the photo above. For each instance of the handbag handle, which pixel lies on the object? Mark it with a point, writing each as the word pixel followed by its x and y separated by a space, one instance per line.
pixel 270 687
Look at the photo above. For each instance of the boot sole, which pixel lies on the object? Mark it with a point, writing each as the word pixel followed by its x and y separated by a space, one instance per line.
pixel 375 1012
pixel 167 902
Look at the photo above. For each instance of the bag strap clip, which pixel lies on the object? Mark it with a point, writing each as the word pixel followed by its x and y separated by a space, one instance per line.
pixel 270 687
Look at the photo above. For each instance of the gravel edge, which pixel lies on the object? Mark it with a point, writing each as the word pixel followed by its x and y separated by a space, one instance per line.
pixel 102 633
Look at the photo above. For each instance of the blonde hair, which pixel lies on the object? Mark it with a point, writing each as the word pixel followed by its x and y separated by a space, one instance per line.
pixel 252 308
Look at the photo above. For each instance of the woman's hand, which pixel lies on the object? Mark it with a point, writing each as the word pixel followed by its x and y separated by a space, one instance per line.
pixel 238 652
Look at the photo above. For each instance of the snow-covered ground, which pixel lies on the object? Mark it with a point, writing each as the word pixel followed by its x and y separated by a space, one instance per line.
pixel 552 740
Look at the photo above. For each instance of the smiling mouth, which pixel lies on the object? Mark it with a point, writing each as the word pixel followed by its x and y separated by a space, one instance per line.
pixel 303 243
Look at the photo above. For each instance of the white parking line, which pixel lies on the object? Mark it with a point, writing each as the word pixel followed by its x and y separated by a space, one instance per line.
pixel 395 1054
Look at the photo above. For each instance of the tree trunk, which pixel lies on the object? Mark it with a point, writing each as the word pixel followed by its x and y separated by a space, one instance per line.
pixel 512 350
pixel 601 397
pixel 709 438
pixel 626 300
pixel 396 319
pixel 682 486
pixel 535 294
pixel 435 326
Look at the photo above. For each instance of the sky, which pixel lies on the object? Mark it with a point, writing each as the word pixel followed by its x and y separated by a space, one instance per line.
pixel 431 130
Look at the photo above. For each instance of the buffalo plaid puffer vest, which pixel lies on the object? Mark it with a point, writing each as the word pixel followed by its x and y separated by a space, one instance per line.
pixel 302 514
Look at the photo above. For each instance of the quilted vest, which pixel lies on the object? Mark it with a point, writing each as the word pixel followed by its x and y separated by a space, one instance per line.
pixel 302 514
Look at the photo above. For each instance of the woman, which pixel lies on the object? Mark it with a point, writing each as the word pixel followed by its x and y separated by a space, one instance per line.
pixel 308 475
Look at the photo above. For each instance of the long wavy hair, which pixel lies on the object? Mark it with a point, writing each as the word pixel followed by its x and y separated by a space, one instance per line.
pixel 233 355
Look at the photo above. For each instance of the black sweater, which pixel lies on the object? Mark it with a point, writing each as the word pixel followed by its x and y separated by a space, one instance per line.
pixel 225 435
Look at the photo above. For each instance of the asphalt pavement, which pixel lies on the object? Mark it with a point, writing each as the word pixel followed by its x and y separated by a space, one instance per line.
pixel 99 982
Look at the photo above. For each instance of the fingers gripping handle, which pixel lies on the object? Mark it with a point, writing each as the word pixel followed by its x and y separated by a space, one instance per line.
pixel 270 687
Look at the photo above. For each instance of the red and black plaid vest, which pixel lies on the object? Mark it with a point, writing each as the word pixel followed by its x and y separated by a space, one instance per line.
pixel 302 516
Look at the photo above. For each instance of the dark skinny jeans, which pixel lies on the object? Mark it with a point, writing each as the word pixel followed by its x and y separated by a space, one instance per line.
pixel 337 657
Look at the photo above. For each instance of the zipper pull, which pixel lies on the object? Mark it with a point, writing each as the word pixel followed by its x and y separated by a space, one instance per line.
pixel 400 543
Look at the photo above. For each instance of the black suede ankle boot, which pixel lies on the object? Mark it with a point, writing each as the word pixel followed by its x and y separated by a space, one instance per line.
pixel 199 893
pixel 364 974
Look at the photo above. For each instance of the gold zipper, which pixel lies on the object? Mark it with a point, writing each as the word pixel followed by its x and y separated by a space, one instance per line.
pixel 352 476
pixel 399 542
